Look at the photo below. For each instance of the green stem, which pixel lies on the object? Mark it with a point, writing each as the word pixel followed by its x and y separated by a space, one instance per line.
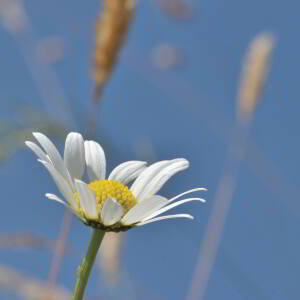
pixel 84 269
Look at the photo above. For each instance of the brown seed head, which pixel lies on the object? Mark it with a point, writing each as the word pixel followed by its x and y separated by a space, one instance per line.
pixel 254 74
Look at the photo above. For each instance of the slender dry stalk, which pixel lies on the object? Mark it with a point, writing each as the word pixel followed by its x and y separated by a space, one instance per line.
pixel 109 257
pixel 111 32
pixel 29 288
pixel 254 73
pixel 59 251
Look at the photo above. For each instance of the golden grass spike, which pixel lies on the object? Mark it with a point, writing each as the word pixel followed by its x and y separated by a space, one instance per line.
pixel 111 32
pixel 253 75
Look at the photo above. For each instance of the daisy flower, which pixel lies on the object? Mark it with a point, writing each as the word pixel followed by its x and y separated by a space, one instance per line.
pixel 109 204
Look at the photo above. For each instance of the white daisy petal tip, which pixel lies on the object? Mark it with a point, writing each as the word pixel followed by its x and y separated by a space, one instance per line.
pixel 182 162
pixel 53 154
pixel 37 135
pixel 55 198
pixel 201 189
pixel 127 171
pixel 34 133
pixel 74 154
pixel 185 161
pixel 186 216
pixel 155 176
pixel 95 160
pixel 37 150
pixel 170 206
pixel 143 180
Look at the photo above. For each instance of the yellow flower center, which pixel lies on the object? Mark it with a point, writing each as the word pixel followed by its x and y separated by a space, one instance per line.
pixel 105 189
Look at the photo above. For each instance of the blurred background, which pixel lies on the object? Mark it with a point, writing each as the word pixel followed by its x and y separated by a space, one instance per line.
pixel 215 82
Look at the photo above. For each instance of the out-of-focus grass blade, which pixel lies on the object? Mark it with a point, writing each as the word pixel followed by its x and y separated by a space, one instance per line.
pixel 30 288
pixel 13 135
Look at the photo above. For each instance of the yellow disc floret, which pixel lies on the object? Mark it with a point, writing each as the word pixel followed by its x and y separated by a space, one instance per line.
pixel 105 189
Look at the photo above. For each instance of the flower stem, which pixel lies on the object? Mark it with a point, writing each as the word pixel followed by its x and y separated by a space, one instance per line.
pixel 85 267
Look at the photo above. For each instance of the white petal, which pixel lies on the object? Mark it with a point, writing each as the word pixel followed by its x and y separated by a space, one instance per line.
pixel 166 217
pixel 61 183
pixel 38 151
pixel 87 198
pixel 143 209
pixel 155 184
pixel 95 160
pixel 187 192
pixel 74 154
pixel 55 198
pixel 112 212
pixel 127 171
pixel 146 176
pixel 168 207
pixel 54 155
